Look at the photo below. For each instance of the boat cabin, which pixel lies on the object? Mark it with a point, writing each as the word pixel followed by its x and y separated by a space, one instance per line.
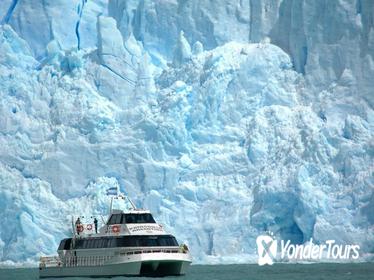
pixel 116 242
pixel 131 218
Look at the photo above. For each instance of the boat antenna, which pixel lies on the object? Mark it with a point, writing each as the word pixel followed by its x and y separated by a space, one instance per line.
pixel 111 205
pixel 72 224
pixel 132 203
pixel 116 194
pixel 112 191
pixel 74 232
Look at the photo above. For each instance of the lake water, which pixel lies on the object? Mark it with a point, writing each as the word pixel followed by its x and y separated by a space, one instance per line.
pixel 328 271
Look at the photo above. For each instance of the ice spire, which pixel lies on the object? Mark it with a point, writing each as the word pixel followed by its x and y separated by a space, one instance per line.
pixel 182 51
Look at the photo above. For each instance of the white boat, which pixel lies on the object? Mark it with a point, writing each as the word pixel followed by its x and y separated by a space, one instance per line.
pixel 130 243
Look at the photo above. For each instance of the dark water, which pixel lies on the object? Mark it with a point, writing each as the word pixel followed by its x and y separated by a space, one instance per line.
pixel 364 271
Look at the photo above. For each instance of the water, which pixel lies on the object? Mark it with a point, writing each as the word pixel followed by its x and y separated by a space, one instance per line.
pixel 358 271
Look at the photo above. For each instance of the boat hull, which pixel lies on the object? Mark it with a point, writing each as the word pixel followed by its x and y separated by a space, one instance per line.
pixel 142 266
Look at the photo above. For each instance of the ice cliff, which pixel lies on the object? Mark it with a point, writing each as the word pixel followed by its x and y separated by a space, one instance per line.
pixel 224 118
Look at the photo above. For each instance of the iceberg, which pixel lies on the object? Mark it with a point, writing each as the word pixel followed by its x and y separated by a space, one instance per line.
pixel 225 121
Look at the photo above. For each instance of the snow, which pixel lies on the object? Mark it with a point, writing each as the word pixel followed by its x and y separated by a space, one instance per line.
pixel 190 110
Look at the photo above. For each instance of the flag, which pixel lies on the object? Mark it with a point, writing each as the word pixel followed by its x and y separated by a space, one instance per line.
pixel 112 191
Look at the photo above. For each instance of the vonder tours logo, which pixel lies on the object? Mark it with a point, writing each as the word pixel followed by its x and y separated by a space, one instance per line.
pixel 267 249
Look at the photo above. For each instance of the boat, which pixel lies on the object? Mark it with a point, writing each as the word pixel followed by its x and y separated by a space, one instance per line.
pixel 129 243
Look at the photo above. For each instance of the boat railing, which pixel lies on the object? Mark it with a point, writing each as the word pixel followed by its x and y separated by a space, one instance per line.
pixel 155 250
pixel 55 261
pixel 72 261
pixel 101 260
pixel 50 261
pixel 86 260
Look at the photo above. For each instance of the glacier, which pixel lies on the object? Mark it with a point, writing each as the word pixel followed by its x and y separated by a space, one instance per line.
pixel 225 119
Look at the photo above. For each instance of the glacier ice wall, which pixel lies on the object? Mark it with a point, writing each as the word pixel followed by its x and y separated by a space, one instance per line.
pixel 190 109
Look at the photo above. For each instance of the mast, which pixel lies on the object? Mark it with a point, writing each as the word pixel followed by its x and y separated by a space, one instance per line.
pixel 72 225
pixel 74 232
pixel 132 203
pixel 111 205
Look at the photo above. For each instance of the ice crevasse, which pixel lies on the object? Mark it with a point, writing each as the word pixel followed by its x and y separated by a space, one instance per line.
pixel 211 117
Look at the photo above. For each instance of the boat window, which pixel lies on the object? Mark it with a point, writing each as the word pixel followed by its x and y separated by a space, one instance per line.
pixel 98 243
pixel 65 244
pixel 104 243
pixel 112 243
pixel 167 241
pixel 79 244
pixel 85 244
pixel 144 218
pixel 115 219
pixel 62 244
pixel 89 244
pixel 133 242
pixel 150 241
pixel 118 218
pixel 111 220
pixel 126 241
pixel 121 242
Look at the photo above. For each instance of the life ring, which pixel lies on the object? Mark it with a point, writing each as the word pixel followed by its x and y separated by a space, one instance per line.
pixel 79 228
pixel 115 229
pixel 89 227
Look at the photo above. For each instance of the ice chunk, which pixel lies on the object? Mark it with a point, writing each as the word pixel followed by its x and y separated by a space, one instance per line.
pixel 182 51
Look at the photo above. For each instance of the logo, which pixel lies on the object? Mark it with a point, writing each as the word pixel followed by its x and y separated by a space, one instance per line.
pixel 144 228
pixel 267 249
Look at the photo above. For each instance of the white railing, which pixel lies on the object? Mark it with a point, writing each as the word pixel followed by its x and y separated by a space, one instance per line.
pixel 50 261
pixel 86 260
pixel 155 250
pixel 101 260
pixel 71 261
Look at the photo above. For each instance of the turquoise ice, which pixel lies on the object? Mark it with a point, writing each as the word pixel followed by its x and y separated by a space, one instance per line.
pixel 225 121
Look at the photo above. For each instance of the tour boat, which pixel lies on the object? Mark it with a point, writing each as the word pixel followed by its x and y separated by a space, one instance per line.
pixel 130 243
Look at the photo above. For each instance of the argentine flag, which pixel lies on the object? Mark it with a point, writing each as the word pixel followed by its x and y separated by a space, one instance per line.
pixel 112 191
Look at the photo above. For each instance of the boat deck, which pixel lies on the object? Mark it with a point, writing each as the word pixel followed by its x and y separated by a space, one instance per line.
pixel 70 261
